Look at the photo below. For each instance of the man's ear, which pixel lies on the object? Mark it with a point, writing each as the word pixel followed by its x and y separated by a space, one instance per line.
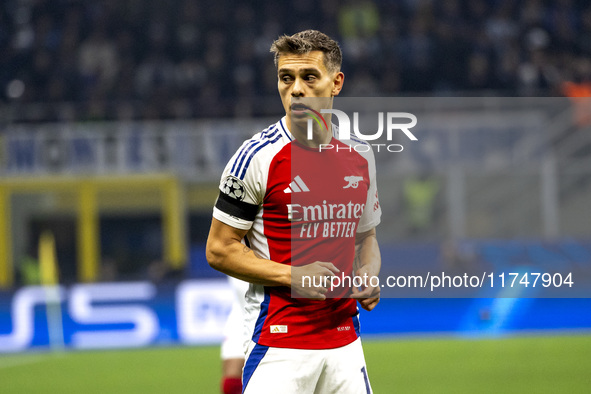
pixel 338 80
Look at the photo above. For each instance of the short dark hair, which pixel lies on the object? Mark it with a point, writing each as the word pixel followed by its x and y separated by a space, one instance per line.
pixel 307 41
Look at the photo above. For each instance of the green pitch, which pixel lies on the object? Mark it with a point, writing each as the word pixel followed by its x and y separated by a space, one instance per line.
pixel 550 364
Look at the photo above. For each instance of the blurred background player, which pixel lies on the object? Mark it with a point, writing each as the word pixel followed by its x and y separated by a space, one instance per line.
pixel 234 344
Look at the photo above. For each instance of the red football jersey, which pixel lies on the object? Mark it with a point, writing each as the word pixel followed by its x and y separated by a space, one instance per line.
pixel 300 205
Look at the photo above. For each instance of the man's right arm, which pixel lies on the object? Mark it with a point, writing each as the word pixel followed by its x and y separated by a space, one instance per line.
pixel 225 252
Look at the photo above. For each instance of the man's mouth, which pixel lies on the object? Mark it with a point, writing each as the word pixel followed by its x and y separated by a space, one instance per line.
pixel 299 108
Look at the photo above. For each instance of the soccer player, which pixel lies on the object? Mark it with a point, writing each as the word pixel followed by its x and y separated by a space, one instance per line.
pixel 232 350
pixel 288 210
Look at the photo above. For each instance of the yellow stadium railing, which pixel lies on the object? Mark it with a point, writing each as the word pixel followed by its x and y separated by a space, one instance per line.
pixel 88 191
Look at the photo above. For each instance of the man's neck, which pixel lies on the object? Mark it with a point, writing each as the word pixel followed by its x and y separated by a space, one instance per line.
pixel 300 133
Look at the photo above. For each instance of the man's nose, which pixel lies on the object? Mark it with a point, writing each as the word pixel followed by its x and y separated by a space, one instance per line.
pixel 298 88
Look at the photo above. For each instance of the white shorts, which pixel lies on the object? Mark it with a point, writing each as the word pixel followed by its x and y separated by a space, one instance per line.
pixel 300 371
pixel 233 345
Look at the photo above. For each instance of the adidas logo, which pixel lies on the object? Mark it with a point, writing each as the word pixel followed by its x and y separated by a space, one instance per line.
pixel 278 329
pixel 296 186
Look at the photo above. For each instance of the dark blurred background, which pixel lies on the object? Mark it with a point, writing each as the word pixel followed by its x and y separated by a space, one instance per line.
pixel 136 106
pixel 137 59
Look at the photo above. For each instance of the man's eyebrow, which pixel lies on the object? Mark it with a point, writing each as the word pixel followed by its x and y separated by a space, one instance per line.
pixel 311 70
pixel 304 71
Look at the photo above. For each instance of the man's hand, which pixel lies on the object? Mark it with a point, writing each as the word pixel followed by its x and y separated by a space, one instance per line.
pixel 317 279
pixel 369 296
pixel 367 265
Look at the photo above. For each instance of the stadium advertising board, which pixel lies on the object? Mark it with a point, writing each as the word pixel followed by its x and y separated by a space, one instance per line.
pixel 111 315
pixel 193 312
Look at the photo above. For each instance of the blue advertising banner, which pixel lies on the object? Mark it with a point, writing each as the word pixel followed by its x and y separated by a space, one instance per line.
pixel 193 312
pixel 111 315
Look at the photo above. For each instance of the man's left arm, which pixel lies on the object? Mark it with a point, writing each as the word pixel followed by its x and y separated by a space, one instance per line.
pixel 367 265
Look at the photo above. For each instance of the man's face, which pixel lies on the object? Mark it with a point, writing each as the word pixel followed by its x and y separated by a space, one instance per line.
pixel 301 76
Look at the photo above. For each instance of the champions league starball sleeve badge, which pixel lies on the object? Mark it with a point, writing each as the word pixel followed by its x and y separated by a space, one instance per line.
pixel 234 188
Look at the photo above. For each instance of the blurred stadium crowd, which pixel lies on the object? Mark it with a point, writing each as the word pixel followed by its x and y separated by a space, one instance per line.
pixel 132 59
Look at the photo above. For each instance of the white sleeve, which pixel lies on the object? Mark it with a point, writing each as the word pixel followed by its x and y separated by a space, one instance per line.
pixel 373 212
pixel 241 189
